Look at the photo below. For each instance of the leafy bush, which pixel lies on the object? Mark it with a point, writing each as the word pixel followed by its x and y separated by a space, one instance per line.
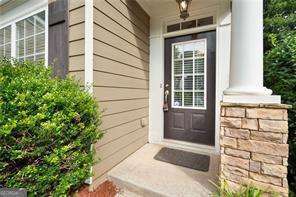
pixel 47 126
pixel 224 190
pixel 280 64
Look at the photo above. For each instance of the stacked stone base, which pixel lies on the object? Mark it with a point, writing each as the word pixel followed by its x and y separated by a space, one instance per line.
pixel 254 149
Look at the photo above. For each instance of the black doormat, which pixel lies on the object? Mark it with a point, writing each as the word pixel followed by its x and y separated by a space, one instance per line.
pixel 183 158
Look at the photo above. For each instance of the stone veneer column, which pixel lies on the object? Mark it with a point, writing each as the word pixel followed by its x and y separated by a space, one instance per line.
pixel 254 147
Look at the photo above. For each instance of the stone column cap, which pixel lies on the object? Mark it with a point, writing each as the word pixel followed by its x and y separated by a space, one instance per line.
pixel 259 105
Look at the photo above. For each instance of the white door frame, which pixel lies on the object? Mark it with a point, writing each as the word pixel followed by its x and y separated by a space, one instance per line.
pixel 156 115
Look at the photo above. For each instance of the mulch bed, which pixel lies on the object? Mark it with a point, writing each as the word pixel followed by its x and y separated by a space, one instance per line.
pixel 106 189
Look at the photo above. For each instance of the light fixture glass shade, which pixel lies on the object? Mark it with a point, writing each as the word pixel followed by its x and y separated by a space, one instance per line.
pixel 183 7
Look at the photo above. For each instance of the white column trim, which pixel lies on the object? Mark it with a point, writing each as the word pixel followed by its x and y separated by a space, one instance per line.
pixel 88 56
pixel 88 46
pixel 246 60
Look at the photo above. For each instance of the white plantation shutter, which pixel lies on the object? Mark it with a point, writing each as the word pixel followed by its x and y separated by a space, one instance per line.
pixel 5 42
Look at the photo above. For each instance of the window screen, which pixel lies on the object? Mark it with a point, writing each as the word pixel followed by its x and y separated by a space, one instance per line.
pixel 30 38
pixel 189 76
pixel 5 42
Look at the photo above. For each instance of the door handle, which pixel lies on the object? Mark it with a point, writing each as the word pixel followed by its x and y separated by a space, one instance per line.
pixel 166 94
pixel 165 104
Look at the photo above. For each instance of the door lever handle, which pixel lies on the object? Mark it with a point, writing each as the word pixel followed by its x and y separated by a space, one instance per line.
pixel 166 94
pixel 165 104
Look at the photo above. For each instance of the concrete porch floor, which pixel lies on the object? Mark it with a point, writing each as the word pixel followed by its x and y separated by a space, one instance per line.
pixel 141 175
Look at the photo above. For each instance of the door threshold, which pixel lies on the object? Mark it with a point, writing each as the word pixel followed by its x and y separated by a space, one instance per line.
pixel 188 146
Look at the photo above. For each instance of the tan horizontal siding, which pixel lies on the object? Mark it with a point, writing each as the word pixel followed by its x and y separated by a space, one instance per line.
pixel 113 107
pixel 108 65
pixel 115 41
pixel 117 132
pixel 122 118
pixel 76 63
pixel 76 40
pixel 103 79
pixel 74 4
pixel 112 147
pixel 104 165
pixel 76 32
pixel 109 24
pixel 110 11
pixel 121 82
pixel 105 50
pixel 114 94
pixel 78 75
pixel 137 10
pixel 76 47
pixel 123 9
pixel 76 16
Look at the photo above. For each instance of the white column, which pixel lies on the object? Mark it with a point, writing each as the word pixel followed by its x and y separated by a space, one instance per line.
pixel 246 60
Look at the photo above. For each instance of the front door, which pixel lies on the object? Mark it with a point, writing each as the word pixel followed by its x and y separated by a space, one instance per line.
pixel 190 88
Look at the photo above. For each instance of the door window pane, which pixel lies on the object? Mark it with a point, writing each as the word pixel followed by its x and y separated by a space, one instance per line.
pixel 30 42
pixel 199 82
pixel 189 77
pixel 188 99
pixel 178 68
pixel 199 65
pixel 178 51
pixel 188 50
pixel 178 99
pixel 199 99
pixel 5 42
pixel 188 66
pixel 188 82
pixel 178 83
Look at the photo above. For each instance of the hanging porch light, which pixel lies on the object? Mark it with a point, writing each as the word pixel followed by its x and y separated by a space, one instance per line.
pixel 183 7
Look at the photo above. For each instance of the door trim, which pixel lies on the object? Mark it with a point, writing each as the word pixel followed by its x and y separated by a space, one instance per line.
pixel 156 131
pixel 203 132
pixel 191 31
pixel 183 144
pixel 188 146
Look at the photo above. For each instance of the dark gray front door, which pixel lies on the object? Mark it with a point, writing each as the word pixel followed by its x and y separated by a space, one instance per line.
pixel 190 82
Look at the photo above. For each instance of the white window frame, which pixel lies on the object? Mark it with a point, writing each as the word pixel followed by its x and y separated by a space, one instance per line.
pixel 193 90
pixel 13 22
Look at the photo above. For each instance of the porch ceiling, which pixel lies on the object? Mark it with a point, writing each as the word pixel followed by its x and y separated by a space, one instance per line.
pixel 159 8
pixel 6 5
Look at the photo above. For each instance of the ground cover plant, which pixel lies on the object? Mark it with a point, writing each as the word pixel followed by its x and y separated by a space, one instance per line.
pixel 225 190
pixel 47 126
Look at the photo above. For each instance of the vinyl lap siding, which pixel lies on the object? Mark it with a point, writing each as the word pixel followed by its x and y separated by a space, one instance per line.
pixel 121 80
pixel 76 39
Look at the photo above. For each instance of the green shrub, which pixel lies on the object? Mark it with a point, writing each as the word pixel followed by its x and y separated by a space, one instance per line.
pixel 47 126
pixel 280 65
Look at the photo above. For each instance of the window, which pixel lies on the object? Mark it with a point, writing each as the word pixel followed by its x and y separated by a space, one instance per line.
pixel 5 42
pixel 190 24
pixel 30 38
pixel 25 39
pixel 189 77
